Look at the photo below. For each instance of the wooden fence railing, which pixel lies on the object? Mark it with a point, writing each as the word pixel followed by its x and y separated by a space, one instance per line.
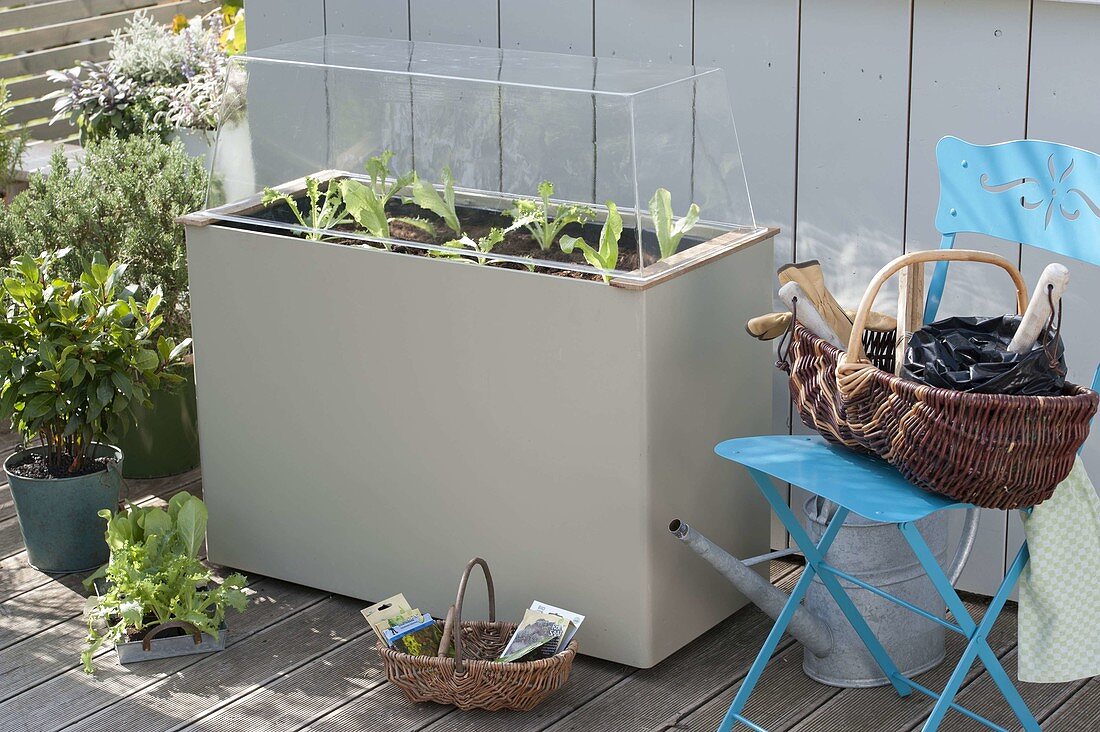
pixel 39 35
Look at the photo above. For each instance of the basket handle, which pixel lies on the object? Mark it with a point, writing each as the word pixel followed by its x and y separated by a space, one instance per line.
pixel 147 641
pixel 454 615
pixel 855 357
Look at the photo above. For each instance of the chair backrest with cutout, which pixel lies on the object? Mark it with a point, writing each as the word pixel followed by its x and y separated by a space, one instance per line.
pixel 1041 194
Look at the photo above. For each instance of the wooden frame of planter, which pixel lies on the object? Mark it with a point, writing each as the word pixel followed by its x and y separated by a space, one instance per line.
pixel 367 414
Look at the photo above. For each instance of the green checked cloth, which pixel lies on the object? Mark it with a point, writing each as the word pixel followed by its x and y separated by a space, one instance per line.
pixel 1059 622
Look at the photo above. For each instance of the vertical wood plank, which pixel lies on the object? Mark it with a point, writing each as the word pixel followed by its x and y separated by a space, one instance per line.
pixel 762 72
pixel 969 79
pixel 564 26
pixel 645 30
pixel 1065 56
pixel 549 135
pixel 469 23
pixel 658 31
pixel 377 18
pixel 456 125
pixel 278 21
pixel 853 111
pixel 852 116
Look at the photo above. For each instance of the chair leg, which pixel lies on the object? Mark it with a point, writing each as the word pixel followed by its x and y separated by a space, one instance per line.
pixel 815 557
pixel 784 619
pixel 765 654
pixel 978 633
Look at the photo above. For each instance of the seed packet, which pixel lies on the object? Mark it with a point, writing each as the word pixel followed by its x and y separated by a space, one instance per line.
pixel 575 620
pixel 537 631
pixel 418 636
pixel 388 613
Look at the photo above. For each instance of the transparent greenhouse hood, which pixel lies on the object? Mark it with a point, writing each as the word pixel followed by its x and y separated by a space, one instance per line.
pixel 590 167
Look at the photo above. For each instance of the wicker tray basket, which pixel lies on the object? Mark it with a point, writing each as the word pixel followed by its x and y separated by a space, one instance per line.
pixel 472 679
pixel 991 450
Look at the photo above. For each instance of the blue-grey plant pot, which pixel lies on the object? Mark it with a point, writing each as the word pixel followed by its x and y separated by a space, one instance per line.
pixel 59 516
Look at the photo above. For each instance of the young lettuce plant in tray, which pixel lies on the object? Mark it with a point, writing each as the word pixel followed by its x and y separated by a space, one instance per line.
pixel 155 582
pixel 669 231
pixel 442 205
pixel 326 209
pixel 607 255
pixel 484 244
pixel 544 227
pixel 367 203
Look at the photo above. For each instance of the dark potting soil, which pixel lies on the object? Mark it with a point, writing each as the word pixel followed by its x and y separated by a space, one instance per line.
pixel 477 222
pixel 35 466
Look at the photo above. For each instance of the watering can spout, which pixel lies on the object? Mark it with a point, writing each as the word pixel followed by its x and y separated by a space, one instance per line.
pixel 806 627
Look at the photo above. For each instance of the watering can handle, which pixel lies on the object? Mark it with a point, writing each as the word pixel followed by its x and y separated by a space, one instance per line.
pixel 966 543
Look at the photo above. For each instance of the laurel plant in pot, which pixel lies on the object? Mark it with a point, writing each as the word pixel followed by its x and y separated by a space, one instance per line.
pixel 122 199
pixel 76 358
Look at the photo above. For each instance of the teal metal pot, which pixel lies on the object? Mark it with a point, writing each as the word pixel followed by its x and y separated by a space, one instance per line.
pixel 58 516
pixel 165 439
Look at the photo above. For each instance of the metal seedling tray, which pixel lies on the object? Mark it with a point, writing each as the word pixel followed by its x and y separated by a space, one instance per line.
pixel 152 647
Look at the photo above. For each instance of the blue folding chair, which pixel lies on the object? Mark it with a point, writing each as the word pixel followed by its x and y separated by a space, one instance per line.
pixel 1025 191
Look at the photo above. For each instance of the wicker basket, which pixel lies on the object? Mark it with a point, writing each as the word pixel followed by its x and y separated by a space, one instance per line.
pixel 991 450
pixel 472 679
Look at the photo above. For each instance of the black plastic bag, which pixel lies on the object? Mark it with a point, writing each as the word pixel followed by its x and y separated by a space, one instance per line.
pixel 971 355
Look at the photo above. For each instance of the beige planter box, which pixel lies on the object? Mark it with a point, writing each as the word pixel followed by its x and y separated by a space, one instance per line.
pixel 371 420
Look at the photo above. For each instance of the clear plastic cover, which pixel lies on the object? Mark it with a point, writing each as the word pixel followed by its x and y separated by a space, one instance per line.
pixel 499 123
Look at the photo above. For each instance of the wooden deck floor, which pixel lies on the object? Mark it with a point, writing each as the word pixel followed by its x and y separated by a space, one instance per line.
pixel 301 659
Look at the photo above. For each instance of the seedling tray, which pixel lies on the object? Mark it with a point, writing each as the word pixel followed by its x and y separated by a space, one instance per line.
pixel 152 647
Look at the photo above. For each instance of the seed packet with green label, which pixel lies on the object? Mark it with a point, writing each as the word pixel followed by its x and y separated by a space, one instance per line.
pixel 419 636
pixel 388 613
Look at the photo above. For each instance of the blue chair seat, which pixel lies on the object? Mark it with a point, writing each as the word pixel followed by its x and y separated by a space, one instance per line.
pixel 863 484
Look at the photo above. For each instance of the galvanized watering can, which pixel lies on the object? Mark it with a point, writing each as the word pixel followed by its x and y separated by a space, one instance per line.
pixel 875 553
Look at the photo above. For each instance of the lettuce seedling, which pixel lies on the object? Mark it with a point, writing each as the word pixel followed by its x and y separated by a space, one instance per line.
pixel 426 196
pixel 607 256
pixel 670 232
pixel 367 203
pixel 543 228
pixel 487 243
pixel 484 244
pixel 155 575
pixel 326 210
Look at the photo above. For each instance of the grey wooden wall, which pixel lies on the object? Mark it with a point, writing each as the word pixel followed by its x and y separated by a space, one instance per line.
pixel 839 104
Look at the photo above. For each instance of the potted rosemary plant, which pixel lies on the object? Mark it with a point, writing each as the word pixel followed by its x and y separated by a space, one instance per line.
pixel 76 358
